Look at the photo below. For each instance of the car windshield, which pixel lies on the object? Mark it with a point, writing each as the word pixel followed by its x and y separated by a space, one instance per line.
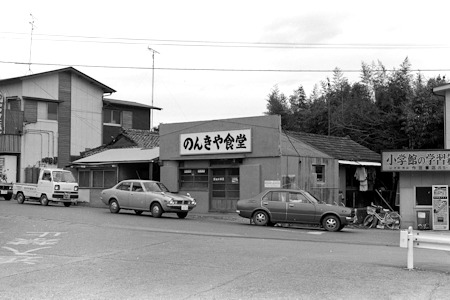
pixel 155 187
pixel 63 176
pixel 312 198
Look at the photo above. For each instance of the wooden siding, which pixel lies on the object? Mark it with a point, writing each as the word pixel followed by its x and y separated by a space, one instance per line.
pixel 9 143
pixel 30 111
pixel 326 191
pixel 64 111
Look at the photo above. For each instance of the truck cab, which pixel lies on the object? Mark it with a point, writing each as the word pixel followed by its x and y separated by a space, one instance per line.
pixel 54 185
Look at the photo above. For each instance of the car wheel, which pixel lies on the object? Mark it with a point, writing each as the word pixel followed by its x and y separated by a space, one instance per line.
pixel 114 206
pixel 182 215
pixel 156 210
pixel 8 197
pixel 67 204
pixel 138 212
pixel 261 218
pixel 20 198
pixel 44 200
pixel 331 223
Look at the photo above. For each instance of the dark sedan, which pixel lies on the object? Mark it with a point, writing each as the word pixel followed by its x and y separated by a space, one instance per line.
pixel 293 206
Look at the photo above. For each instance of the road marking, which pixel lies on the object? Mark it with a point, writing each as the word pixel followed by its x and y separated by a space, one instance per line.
pixel 27 257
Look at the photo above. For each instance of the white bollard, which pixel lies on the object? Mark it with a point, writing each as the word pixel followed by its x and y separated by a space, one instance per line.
pixel 410 249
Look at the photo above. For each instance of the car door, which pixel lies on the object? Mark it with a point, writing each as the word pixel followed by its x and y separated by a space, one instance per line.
pixel 138 197
pixel 275 202
pixel 122 194
pixel 300 209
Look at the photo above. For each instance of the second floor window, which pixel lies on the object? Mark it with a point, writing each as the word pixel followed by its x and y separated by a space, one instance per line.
pixel 111 116
pixel 47 111
pixel 52 111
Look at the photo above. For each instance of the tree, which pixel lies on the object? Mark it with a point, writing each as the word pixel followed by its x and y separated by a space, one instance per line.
pixel 277 105
pixel 385 110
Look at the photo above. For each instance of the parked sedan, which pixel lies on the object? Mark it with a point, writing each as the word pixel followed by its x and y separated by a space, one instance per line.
pixel 293 206
pixel 146 195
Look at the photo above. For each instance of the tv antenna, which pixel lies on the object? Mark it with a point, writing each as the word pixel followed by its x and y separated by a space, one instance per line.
pixel 153 85
pixel 31 41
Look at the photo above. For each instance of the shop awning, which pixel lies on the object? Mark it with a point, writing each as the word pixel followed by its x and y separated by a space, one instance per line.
pixel 360 163
pixel 122 155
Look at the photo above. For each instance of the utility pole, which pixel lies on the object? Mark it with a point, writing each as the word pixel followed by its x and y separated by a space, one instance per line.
pixel 153 84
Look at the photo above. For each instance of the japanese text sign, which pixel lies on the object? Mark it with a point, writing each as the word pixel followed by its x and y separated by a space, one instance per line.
pixel 419 160
pixel 440 207
pixel 2 112
pixel 232 141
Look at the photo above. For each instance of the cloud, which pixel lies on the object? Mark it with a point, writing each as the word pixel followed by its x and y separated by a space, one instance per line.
pixel 304 29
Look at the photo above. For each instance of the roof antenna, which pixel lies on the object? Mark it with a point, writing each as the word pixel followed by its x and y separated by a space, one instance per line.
pixel 31 41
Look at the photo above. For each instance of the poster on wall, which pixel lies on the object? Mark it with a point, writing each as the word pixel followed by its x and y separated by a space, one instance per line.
pixel 440 207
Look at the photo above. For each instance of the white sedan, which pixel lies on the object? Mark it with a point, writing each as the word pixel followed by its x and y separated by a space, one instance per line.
pixel 146 195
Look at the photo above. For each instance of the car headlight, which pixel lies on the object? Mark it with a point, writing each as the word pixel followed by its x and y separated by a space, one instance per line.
pixel 171 201
pixel 57 187
pixel 75 188
pixel 193 202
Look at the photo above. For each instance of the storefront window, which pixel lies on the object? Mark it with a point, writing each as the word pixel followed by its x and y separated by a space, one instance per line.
pixel 103 178
pixel 225 183
pixel 194 179
pixel 423 196
pixel 84 178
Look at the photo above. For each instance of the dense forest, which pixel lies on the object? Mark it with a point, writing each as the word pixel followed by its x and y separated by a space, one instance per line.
pixel 393 109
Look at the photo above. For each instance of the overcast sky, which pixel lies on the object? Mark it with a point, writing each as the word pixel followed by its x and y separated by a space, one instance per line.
pixel 220 59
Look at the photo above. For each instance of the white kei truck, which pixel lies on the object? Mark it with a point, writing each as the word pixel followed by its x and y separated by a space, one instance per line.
pixel 54 185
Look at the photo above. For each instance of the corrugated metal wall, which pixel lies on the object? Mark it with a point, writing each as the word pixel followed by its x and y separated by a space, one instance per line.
pixel 9 143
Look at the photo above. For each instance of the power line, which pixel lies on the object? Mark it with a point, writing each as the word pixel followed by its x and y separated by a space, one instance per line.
pixel 220 69
pixel 234 44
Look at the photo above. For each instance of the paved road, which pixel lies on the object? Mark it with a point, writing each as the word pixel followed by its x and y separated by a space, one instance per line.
pixel 79 252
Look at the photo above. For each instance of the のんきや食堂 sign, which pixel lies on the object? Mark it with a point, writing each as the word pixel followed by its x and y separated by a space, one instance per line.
pixel 232 141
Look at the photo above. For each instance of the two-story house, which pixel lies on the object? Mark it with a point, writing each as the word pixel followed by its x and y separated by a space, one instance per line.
pixel 49 118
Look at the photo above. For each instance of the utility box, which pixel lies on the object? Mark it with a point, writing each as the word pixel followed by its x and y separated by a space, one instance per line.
pixel 423 220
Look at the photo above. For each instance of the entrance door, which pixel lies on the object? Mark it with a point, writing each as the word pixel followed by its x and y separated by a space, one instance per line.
pixel 225 189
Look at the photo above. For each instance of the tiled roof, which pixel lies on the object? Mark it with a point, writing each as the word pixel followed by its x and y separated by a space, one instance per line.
pixel 135 138
pixel 142 138
pixel 342 148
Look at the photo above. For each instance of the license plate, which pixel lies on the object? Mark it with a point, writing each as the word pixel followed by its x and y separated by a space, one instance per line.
pixel 3 192
pixel 66 196
pixel 184 207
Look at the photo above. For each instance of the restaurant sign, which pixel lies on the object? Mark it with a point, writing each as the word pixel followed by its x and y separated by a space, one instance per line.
pixel 231 141
pixel 2 112
pixel 415 160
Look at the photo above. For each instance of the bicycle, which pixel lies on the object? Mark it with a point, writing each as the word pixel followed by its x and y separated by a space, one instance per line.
pixel 377 214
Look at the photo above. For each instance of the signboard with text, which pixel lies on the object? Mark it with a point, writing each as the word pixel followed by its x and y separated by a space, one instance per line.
pixel 440 207
pixel 2 112
pixel 415 160
pixel 232 141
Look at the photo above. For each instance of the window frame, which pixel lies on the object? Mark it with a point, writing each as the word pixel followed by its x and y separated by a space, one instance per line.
pixel 426 189
pixel 196 174
pixel 321 178
pixel 110 119
pixel 53 116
